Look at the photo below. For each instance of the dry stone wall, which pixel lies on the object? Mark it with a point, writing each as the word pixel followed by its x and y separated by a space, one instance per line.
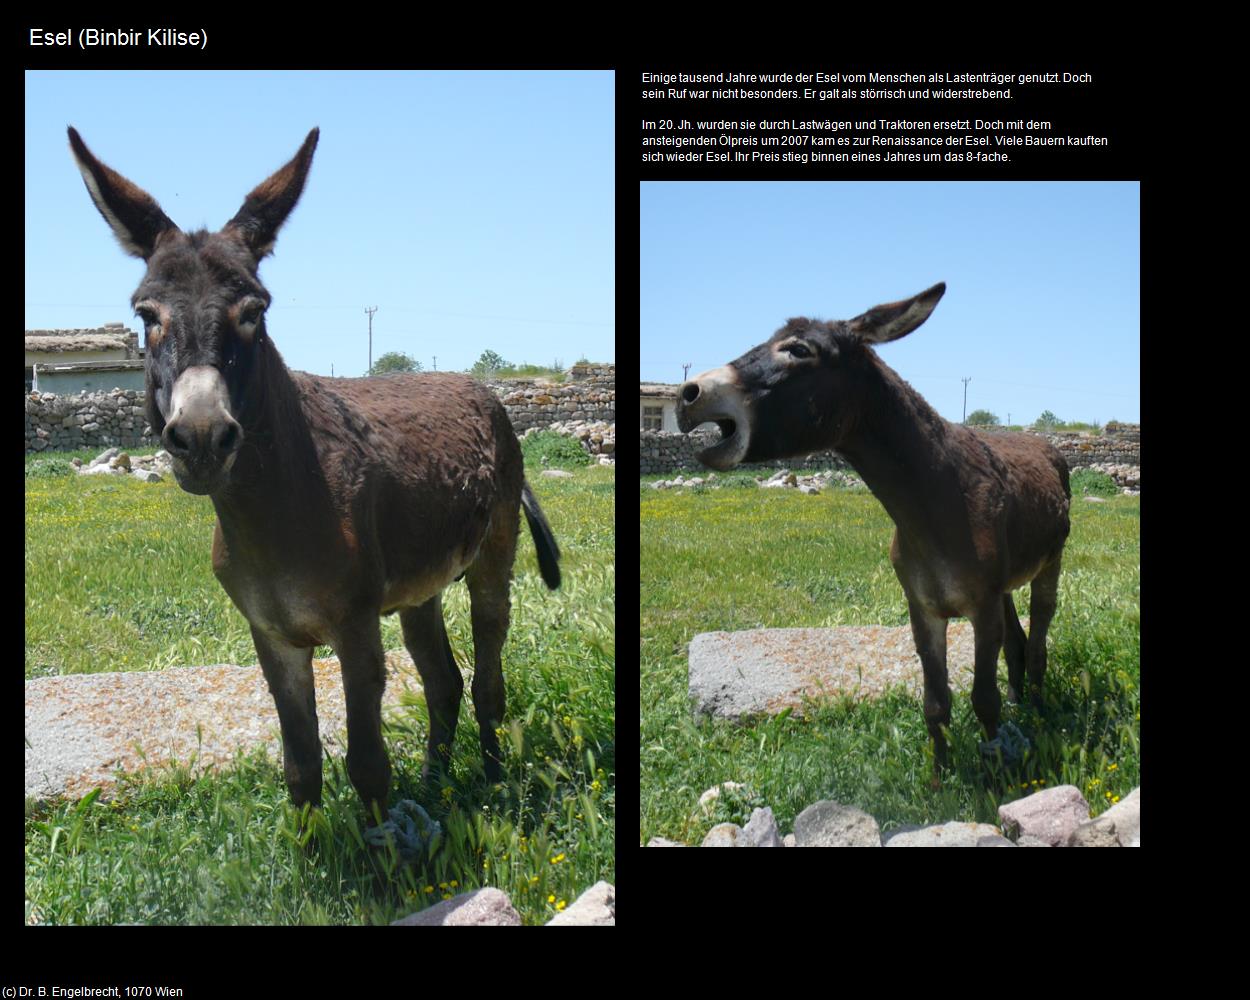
pixel 100 420
pixel 666 451
pixel 588 395
pixel 86 420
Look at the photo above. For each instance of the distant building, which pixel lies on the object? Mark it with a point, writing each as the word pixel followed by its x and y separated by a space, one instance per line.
pixel 657 407
pixel 91 360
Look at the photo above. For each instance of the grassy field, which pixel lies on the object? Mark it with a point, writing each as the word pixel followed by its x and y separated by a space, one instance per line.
pixel 118 578
pixel 740 557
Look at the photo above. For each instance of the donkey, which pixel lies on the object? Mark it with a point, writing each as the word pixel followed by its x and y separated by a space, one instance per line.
pixel 337 500
pixel 976 514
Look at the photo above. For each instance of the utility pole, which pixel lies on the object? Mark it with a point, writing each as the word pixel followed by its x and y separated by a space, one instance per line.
pixel 965 382
pixel 371 312
pixel 436 362
pixel 685 370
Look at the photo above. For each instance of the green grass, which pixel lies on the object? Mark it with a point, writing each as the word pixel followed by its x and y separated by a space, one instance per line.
pixel 738 558
pixel 118 578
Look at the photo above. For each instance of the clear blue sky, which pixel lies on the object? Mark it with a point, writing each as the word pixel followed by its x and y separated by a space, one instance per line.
pixel 475 210
pixel 1041 307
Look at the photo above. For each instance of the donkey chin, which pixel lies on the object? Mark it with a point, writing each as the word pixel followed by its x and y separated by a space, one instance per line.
pixel 200 479
pixel 715 396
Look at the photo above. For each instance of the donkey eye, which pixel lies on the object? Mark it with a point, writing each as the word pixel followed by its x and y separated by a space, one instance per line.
pixel 149 318
pixel 251 314
pixel 798 350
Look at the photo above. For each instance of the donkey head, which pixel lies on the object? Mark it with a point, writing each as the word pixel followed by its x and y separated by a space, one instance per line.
pixel 802 390
pixel 203 310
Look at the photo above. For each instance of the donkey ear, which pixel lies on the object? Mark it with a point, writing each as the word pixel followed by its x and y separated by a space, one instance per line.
pixel 134 216
pixel 896 319
pixel 267 207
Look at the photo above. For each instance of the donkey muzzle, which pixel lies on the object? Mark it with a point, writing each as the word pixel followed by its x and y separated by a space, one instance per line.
pixel 201 436
pixel 716 396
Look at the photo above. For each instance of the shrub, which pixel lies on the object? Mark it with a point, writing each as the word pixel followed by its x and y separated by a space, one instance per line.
pixel 48 468
pixel 1091 482
pixel 559 451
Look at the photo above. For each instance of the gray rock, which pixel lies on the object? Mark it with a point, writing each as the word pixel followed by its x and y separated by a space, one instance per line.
pixel 1100 832
pixel 724 835
pixel 596 907
pixel 831 824
pixel 482 908
pixel 1027 840
pixel 1051 815
pixel 946 835
pixel 1119 826
pixel 736 675
pixel 761 830
pixel 104 457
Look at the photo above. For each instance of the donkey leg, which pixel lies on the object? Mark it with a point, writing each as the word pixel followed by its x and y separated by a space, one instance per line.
pixel 364 679
pixel 987 630
pixel 490 628
pixel 1015 645
pixel 288 671
pixel 929 632
pixel 425 635
pixel 489 581
pixel 1042 601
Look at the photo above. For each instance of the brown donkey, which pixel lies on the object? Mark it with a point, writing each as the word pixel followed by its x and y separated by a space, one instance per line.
pixel 976 514
pixel 337 500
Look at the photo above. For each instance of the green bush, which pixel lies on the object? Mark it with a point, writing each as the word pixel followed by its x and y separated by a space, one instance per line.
pixel 1090 482
pixel 49 468
pixel 554 451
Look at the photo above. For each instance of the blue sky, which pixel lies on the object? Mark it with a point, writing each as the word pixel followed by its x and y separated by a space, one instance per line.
pixel 476 210
pixel 1041 306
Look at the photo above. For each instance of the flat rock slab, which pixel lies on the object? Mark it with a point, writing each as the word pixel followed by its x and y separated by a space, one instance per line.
pixel 82 729
pixel 734 675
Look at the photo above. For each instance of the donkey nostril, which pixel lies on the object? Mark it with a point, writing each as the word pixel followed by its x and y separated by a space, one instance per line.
pixel 173 441
pixel 690 392
pixel 227 440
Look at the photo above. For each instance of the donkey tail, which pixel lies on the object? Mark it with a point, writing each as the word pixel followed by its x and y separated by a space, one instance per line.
pixel 544 540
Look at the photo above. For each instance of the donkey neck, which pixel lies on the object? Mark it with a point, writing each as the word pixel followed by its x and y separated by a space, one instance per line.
pixel 902 449
pixel 277 478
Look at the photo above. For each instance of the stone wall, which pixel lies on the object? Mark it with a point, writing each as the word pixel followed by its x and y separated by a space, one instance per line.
pixel 590 394
pixel 663 451
pixel 100 420
pixel 86 420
